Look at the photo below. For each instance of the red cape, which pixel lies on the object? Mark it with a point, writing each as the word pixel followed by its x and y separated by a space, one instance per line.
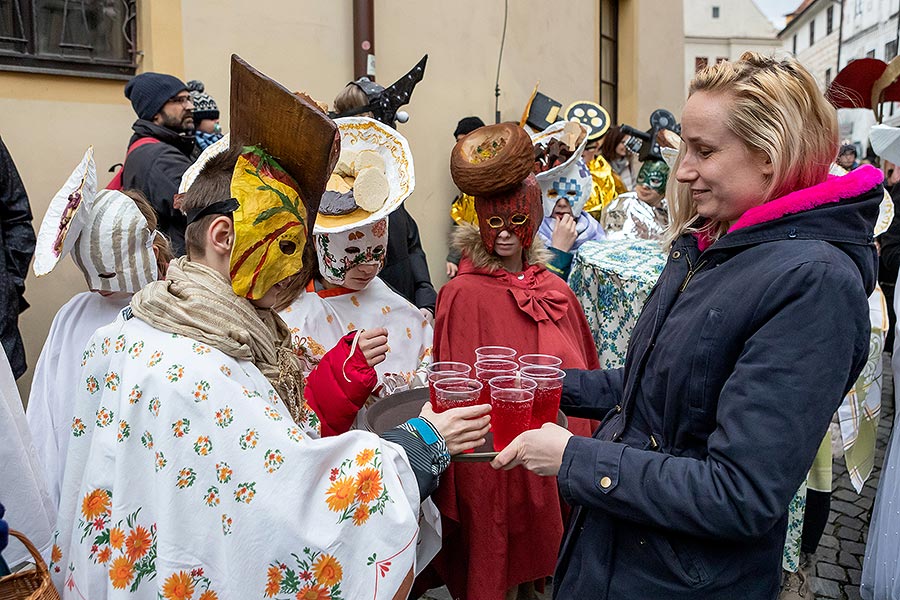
pixel 502 528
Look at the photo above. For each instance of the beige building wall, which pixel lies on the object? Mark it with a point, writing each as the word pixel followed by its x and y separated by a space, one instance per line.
pixel 651 47
pixel 47 121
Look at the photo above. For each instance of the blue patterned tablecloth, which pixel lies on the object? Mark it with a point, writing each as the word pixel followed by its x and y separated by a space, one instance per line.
pixel 612 280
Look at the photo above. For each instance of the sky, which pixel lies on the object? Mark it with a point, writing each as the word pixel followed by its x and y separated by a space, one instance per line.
pixel 776 9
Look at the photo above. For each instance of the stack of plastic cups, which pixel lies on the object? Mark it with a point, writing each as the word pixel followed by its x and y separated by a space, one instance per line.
pixel 547 394
pixel 443 370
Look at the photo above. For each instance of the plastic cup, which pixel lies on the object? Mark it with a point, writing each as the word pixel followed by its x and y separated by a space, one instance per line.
pixel 540 360
pixel 487 369
pixel 442 370
pixel 547 395
pixel 495 352
pixel 512 397
pixel 454 392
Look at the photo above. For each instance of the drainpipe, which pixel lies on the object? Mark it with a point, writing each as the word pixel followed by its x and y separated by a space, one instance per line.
pixel 364 39
pixel 840 40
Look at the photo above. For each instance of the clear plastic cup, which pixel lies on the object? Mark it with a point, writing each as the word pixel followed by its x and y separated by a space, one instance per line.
pixel 487 369
pixel 512 397
pixel 454 392
pixel 540 360
pixel 442 370
pixel 547 395
pixel 495 352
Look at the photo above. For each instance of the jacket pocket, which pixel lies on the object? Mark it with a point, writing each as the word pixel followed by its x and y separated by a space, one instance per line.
pixel 679 559
pixel 700 397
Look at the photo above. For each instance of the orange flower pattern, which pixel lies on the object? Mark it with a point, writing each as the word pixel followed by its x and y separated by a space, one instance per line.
pixel 313 576
pixel 358 495
pixel 131 557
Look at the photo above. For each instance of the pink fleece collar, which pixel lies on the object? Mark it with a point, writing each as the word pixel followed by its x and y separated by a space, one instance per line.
pixel 834 189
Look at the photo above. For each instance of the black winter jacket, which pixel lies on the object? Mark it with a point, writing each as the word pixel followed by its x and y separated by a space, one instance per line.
pixel 739 359
pixel 156 170
pixel 405 267
pixel 17 242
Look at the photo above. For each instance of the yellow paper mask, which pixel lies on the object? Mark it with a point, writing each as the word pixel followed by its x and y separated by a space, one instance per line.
pixel 270 225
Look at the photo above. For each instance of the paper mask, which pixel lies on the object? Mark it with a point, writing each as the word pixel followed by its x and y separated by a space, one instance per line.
pixel 340 252
pixel 115 248
pixel 654 174
pixel 517 211
pixel 66 215
pixel 269 224
pixel 571 179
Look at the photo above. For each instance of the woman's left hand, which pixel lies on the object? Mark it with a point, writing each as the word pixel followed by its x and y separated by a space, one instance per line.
pixel 539 450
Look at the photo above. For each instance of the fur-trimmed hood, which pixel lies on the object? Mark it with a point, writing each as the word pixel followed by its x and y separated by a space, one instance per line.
pixel 467 240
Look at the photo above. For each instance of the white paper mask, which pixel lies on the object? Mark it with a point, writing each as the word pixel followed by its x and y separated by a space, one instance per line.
pixel 570 180
pixel 340 252
pixel 115 248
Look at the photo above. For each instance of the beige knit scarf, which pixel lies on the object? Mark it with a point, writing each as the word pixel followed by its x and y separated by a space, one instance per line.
pixel 197 302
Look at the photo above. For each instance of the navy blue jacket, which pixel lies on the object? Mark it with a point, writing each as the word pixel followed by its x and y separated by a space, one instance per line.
pixel 735 367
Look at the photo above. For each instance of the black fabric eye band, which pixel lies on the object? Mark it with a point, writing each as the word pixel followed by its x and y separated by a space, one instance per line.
pixel 222 207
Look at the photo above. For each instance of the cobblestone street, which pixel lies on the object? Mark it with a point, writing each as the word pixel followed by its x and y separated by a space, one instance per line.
pixel 838 561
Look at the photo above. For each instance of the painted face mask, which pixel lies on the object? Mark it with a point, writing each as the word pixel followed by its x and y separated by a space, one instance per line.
pixel 572 184
pixel 115 248
pixel 517 211
pixel 340 252
pixel 269 224
pixel 654 174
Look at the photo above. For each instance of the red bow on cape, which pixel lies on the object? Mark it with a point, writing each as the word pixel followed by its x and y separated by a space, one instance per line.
pixel 541 305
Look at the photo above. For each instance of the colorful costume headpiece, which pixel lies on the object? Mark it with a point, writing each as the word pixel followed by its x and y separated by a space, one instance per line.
pixel 375 171
pixel 384 102
pixel 591 114
pixel 571 179
pixel 494 164
pixel 289 148
pixel 106 233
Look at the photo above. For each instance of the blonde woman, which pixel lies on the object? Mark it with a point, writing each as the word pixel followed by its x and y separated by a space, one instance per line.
pixel 756 330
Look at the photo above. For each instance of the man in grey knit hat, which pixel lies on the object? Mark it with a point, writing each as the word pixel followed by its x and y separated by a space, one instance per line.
pixel 160 151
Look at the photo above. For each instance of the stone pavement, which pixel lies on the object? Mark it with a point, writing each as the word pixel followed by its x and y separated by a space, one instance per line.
pixel 838 562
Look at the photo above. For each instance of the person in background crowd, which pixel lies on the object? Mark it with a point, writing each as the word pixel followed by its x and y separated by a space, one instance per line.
pixel 615 152
pixel 462 209
pixel 757 328
pixel 846 158
pixel 207 129
pixel 161 149
pixel 17 242
pixel 643 213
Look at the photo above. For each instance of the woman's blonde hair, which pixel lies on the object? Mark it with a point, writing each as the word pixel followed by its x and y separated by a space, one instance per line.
pixel 776 108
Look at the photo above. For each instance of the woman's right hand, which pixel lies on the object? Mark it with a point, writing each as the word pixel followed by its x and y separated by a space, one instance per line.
pixel 462 428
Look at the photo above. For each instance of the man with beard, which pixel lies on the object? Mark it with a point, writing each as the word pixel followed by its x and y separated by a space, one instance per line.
pixel 160 150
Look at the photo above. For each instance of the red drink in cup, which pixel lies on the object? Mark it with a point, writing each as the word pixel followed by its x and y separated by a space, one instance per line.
pixel 540 360
pixel 454 392
pixel 512 397
pixel 442 370
pixel 487 369
pixel 547 395
pixel 494 352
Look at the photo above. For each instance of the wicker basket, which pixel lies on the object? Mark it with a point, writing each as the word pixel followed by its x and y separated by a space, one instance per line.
pixel 33 584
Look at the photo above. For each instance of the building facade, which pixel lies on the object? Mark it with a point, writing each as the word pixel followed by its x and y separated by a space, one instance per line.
pixel 715 31
pixel 811 34
pixel 62 78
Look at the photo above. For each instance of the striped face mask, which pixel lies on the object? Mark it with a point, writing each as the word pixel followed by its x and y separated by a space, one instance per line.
pixel 115 248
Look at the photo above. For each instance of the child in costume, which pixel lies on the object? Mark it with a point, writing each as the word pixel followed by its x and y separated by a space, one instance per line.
pixel 503 529
pixel 346 295
pixel 112 238
pixel 643 213
pixel 195 468
pixel 564 190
